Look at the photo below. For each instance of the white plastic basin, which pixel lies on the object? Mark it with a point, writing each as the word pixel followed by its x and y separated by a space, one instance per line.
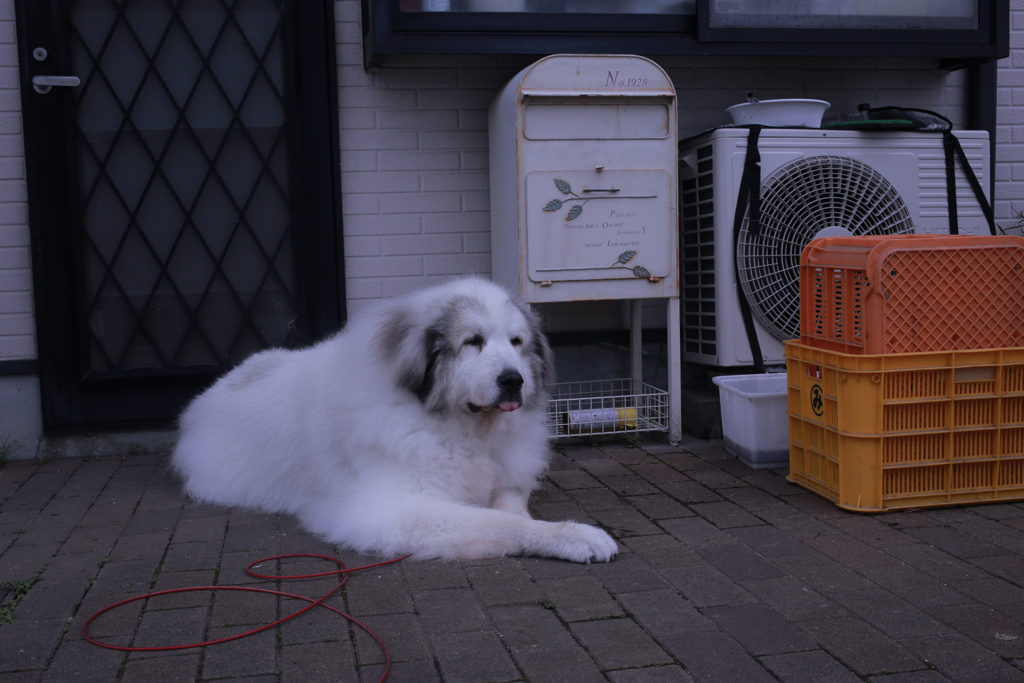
pixel 781 113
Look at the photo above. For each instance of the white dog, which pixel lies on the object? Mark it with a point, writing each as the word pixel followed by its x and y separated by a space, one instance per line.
pixel 417 429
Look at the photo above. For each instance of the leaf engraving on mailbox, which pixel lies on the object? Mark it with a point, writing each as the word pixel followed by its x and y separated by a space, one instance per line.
pixel 624 258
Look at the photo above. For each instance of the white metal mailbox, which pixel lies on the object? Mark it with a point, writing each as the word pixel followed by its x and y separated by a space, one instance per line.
pixel 583 180
pixel 584 193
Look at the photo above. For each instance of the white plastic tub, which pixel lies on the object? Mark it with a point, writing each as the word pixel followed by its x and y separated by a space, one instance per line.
pixel 789 113
pixel 754 421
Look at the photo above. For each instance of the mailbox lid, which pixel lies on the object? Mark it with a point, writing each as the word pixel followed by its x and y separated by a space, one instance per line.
pixel 595 75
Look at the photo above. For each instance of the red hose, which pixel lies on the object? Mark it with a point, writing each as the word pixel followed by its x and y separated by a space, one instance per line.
pixel 248 570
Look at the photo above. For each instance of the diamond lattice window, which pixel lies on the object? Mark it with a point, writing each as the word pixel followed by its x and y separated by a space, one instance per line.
pixel 183 174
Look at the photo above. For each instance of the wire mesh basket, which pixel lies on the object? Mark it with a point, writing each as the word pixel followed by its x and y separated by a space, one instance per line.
pixel 606 407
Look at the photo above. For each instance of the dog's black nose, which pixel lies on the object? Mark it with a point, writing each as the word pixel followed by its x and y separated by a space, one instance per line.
pixel 510 380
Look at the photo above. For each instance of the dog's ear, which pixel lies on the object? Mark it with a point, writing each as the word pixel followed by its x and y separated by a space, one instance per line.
pixel 409 349
pixel 398 349
pixel 544 359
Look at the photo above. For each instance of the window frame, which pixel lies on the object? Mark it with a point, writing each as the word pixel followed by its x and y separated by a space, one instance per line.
pixel 388 32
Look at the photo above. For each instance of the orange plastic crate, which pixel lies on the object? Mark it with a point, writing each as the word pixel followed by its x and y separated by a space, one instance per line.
pixel 884 432
pixel 912 293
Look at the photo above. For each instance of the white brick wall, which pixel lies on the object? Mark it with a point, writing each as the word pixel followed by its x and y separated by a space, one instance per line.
pixel 1009 199
pixel 17 329
pixel 414 166
pixel 414 141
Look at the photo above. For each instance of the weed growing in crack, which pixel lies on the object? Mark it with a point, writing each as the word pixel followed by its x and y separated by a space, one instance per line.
pixel 18 590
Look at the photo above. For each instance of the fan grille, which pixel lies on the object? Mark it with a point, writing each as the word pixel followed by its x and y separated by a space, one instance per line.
pixel 799 201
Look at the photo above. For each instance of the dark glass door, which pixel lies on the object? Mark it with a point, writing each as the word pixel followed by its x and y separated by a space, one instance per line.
pixel 182 171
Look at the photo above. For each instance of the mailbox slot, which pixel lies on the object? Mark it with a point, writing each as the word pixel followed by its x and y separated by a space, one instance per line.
pixel 607 118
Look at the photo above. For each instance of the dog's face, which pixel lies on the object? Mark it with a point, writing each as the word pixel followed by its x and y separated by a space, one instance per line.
pixel 470 348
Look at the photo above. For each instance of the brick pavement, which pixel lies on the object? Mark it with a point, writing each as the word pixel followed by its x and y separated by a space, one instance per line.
pixel 725 574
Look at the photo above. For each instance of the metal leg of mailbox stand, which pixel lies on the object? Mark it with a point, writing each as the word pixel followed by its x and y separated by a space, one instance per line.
pixel 675 378
pixel 636 358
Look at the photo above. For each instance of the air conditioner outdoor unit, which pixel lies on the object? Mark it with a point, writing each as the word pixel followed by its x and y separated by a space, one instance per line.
pixel 814 182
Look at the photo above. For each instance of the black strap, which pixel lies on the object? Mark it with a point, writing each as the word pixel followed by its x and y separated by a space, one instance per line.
pixel 949 141
pixel 749 196
pixel 972 179
pixel 925 121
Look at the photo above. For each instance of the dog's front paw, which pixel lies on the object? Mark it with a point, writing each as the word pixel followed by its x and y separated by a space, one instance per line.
pixel 584 543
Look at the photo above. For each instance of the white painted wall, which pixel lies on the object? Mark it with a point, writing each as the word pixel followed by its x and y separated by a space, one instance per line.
pixel 17 327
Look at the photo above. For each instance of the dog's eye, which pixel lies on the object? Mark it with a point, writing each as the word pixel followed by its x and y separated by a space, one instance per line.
pixel 475 340
pixel 517 341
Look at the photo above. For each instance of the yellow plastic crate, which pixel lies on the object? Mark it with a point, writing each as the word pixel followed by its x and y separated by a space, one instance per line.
pixel 891 431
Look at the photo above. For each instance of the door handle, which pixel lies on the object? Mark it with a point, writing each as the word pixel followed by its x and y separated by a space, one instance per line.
pixel 42 84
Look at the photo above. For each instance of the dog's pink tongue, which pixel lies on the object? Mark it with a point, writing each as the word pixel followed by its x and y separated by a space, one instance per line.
pixel 509 406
